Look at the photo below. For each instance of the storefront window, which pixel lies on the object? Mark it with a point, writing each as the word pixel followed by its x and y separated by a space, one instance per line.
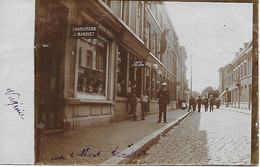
pixel 135 75
pixel 147 86
pixel 155 86
pixel 122 72
pixel 92 67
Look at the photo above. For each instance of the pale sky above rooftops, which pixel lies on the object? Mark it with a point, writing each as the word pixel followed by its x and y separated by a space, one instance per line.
pixel 212 33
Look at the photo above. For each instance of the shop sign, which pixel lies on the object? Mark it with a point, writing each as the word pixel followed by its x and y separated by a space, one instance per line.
pixel 138 63
pixel 89 32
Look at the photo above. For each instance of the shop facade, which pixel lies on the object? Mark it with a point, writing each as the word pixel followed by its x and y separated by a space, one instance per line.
pixel 83 82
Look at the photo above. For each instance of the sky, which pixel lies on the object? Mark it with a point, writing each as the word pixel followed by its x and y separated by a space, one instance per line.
pixel 212 33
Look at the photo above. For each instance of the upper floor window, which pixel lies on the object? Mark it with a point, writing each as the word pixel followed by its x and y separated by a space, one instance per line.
pixel 154 43
pixel 139 19
pixel 148 35
pixel 125 11
pixel 245 67
pixel 250 66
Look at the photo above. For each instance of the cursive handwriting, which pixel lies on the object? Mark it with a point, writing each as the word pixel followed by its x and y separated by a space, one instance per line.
pixel 13 99
pixel 118 154
pixel 86 153
pixel 83 153
pixel 58 157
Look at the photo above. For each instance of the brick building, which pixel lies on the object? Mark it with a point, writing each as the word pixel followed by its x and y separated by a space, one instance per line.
pixel 235 80
pixel 84 82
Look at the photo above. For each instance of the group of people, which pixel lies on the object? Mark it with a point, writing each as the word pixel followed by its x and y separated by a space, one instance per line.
pixel 207 102
pixel 164 100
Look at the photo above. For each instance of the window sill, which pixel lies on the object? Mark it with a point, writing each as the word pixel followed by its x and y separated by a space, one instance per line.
pixel 90 97
pixel 85 101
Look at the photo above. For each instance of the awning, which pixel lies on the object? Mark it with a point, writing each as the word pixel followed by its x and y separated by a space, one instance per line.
pixel 222 93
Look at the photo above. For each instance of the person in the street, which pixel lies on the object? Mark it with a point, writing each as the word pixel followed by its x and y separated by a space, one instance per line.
pixel 194 102
pixel 211 103
pixel 144 104
pixel 206 103
pixel 217 103
pixel 163 96
pixel 199 101
pixel 184 105
pixel 191 101
pixel 179 103
pixel 132 99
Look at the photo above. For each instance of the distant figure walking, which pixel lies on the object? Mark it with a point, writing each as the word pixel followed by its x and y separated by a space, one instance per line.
pixel 206 103
pixel 191 104
pixel 199 101
pixel 194 104
pixel 144 104
pixel 211 103
pixel 133 102
pixel 163 96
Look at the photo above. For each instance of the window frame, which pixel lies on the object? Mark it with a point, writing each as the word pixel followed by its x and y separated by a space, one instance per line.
pixel 82 43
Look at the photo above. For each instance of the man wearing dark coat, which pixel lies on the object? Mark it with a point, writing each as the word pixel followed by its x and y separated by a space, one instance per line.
pixel 194 102
pixel 199 101
pixel 206 103
pixel 163 96
pixel 191 103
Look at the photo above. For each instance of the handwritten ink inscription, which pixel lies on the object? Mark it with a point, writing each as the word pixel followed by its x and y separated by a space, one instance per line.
pixel 86 153
pixel 14 101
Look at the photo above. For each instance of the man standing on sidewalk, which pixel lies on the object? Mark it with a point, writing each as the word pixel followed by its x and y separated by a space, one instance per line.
pixel 163 96
pixel 133 102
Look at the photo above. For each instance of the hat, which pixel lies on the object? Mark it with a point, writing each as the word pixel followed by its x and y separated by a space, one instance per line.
pixel 164 84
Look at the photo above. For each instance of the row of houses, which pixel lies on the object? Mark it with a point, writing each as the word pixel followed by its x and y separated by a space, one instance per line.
pixel 83 82
pixel 235 79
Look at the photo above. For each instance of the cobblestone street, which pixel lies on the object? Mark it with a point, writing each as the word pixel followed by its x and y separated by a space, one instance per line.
pixel 222 137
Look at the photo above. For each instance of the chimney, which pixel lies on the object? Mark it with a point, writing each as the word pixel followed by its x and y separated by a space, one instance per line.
pixel 236 53
pixel 245 45
pixel 240 49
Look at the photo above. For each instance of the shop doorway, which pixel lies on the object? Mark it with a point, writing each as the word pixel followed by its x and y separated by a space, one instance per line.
pixel 51 32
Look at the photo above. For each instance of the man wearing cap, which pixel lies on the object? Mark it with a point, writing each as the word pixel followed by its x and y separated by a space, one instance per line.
pixel 163 96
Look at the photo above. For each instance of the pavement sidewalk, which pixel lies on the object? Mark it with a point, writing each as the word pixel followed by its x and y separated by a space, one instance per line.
pixel 109 144
pixel 243 111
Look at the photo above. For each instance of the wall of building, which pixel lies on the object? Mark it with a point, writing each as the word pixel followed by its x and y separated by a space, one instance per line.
pixel 237 79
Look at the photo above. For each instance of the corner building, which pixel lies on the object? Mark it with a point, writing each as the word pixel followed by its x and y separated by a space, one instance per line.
pixel 235 80
pixel 85 82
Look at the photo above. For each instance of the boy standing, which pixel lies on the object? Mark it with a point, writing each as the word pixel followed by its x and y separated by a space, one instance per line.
pixel 144 104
